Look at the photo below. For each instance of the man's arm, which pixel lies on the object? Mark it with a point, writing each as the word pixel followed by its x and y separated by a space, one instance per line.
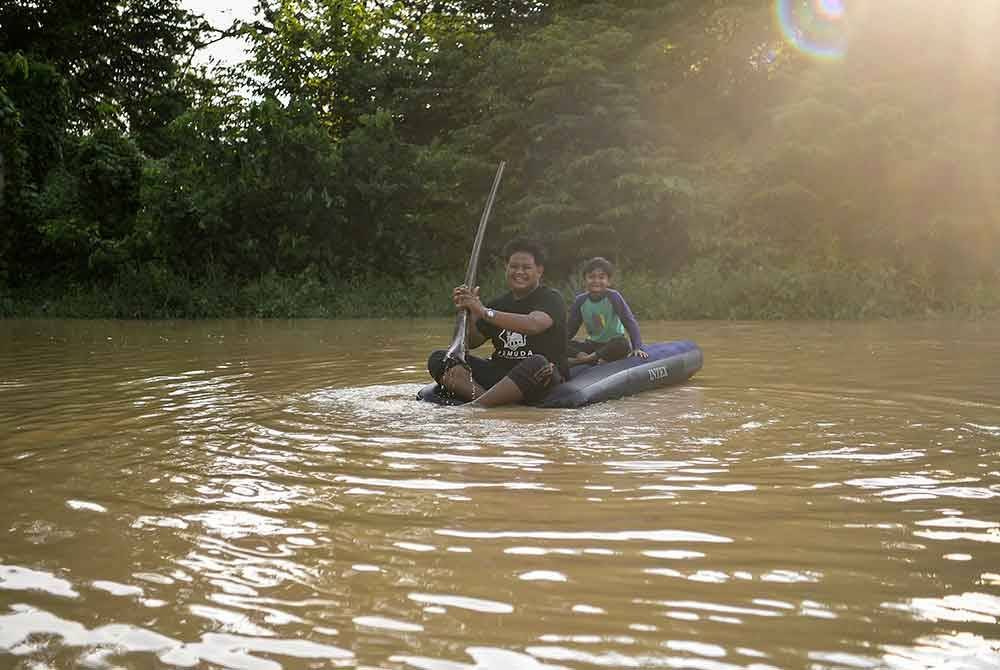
pixel 530 324
pixel 464 297
pixel 475 338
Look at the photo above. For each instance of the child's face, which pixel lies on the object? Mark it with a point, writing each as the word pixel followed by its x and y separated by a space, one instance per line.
pixel 597 281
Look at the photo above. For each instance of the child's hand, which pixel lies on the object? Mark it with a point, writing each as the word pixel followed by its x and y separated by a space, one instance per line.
pixel 640 353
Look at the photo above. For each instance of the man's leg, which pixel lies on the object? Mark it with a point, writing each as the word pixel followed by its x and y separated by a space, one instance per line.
pixel 460 381
pixel 530 381
pixel 504 392
pixel 465 383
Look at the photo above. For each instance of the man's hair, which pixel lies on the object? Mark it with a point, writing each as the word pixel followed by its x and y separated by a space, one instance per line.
pixel 598 263
pixel 526 245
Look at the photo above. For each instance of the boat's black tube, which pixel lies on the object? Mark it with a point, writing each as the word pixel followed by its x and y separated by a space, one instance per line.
pixel 668 363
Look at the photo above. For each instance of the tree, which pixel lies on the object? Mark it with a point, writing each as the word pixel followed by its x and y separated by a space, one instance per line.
pixel 74 79
pixel 115 55
pixel 564 102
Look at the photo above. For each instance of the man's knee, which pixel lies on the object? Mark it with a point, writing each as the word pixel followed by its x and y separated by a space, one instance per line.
pixel 535 362
pixel 535 376
pixel 455 374
pixel 435 364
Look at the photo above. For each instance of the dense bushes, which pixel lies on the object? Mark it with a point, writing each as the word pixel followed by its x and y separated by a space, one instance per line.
pixel 342 170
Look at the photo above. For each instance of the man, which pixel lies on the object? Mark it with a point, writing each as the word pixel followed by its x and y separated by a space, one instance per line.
pixel 527 326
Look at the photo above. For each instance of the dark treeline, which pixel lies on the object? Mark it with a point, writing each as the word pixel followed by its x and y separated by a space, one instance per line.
pixel 341 170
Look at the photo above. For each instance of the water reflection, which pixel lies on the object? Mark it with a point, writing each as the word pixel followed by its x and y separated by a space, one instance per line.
pixel 959 650
pixel 102 645
pixel 265 495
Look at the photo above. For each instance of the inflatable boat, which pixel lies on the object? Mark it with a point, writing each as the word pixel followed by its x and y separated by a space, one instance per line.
pixel 668 363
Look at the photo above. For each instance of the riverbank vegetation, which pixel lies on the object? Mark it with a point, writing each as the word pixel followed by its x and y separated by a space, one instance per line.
pixel 737 159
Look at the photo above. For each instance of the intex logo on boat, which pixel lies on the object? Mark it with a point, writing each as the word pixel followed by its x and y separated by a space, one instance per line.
pixel 657 373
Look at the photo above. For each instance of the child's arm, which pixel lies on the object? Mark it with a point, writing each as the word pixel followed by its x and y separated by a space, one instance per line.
pixel 574 320
pixel 628 320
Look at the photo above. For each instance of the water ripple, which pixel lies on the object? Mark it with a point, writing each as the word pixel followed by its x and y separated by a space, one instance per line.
pixel 616 536
pixel 238 494
pixel 113 640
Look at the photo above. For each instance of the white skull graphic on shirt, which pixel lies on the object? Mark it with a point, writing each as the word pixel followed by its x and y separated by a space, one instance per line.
pixel 512 342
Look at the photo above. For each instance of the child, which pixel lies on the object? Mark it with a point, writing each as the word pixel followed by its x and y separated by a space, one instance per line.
pixel 606 315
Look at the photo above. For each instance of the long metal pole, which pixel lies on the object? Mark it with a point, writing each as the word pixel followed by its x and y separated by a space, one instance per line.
pixel 459 343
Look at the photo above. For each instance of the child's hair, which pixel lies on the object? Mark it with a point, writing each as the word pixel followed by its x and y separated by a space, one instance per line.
pixel 598 263
pixel 526 245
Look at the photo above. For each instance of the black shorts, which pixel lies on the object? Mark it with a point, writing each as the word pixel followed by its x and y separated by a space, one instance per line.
pixel 487 372
pixel 614 349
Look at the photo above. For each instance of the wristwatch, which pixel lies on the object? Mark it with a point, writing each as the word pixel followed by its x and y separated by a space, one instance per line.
pixel 490 313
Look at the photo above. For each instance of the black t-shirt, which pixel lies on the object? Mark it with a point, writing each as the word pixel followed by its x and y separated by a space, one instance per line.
pixel 510 348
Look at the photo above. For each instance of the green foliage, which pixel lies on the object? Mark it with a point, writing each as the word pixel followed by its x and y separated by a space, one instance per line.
pixel 115 55
pixel 79 92
pixel 342 171
pixel 34 112
pixel 155 291
pixel 705 290
pixel 37 111
pixel 84 212
pixel 865 169
pixel 563 103
pixel 708 290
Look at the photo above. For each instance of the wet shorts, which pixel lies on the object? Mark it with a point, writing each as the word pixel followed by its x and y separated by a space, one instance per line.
pixel 614 349
pixel 487 372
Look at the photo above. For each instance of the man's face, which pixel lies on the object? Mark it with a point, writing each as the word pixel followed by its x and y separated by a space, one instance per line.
pixel 597 281
pixel 523 275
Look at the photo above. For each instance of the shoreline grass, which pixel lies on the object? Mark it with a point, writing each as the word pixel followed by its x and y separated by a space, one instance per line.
pixel 700 292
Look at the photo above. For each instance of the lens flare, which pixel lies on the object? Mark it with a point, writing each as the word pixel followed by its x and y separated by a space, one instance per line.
pixel 831 9
pixel 817 28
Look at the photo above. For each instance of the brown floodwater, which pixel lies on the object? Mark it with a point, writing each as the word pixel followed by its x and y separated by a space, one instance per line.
pixel 265 495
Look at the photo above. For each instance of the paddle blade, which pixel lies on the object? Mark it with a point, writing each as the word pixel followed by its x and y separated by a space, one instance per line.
pixel 456 351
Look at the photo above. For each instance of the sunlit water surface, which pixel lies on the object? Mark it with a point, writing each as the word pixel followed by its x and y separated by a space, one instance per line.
pixel 265 495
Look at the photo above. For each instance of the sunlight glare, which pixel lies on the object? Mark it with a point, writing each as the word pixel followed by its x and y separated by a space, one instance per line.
pixel 817 28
